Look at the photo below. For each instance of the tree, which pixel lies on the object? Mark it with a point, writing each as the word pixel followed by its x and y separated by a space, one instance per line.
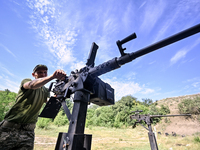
pixel 61 119
pixel 158 111
pixel 7 99
pixel 147 102
pixel 125 104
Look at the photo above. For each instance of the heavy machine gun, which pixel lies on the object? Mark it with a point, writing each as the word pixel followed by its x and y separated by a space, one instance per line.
pixel 147 119
pixel 86 87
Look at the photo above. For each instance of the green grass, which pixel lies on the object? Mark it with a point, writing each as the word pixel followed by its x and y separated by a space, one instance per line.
pixel 116 139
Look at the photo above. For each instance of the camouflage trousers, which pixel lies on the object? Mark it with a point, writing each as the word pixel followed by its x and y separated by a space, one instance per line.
pixel 16 139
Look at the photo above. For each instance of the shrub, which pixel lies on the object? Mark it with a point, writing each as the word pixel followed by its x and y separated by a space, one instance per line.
pixel 7 99
pixel 191 106
pixel 117 123
pixel 197 139
pixel 43 123
pixel 61 119
pixel 158 111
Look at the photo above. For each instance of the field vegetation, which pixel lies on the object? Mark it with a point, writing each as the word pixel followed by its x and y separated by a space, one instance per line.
pixel 111 126
pixel 106 138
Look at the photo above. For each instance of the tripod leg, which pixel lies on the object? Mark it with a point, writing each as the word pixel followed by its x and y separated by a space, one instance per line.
pixel 152 138
pixel 75 139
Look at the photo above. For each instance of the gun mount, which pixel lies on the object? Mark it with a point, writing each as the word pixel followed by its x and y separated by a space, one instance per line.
pixel 148 120
pixel 86 87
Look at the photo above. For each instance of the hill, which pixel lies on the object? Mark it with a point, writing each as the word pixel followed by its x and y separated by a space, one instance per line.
pixel 180 125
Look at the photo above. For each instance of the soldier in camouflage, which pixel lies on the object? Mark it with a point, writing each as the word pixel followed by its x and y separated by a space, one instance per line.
pixel 17 128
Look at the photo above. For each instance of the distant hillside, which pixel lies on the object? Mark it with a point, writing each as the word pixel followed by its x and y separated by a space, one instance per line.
pixel 180 125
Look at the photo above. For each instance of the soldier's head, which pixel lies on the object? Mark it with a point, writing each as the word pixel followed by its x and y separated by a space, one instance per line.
pixel 40 71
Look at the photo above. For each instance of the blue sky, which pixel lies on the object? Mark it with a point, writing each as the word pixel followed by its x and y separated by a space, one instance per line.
pixel 59 33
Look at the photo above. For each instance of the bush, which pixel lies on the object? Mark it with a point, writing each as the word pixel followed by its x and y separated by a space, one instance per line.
pixel 158 111
pixel 118 115
pixel 43 123
pixel 7 99
pixel 61 119
pixel 117 123
pixel 90 114
pixel 197 139
pixel 189 106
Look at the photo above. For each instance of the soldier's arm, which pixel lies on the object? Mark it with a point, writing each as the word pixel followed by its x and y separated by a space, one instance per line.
pixel 37 83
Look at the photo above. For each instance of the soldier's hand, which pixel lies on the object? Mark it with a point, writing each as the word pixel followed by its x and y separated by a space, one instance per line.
pixel 59 74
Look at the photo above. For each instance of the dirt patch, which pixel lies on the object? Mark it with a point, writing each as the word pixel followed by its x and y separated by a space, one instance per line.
pixel 180 125
pixel 45 140
pixel 44 143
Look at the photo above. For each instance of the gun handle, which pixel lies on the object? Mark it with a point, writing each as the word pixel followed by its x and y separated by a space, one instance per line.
pixel 119 43
pixel 134 125
pixel 92 55
pixel 128 38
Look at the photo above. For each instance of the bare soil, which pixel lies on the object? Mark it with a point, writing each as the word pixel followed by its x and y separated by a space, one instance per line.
pixel 181 125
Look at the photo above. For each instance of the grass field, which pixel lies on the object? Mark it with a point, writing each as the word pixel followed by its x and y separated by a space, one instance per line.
pixel 117 139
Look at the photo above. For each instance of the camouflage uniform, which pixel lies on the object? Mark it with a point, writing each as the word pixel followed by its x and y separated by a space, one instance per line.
pixel 16 139
pixel 17 128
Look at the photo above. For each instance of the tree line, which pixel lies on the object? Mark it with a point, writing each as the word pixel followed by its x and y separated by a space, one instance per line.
pixel 117 115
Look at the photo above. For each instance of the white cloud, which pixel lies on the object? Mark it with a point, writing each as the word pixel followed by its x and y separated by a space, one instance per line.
pixel 7 83
pixel 12 85
pixel 9 51
pixel 151 15
pixel 180 54
pixel 78 65
pixel 147 91
pixel 43 19
pixel 124 88
pixel 152 62
pixel 180 10
pixel 142 4
pixel 130 75
pixel 3 69
pixel 196 84
pixel 7 80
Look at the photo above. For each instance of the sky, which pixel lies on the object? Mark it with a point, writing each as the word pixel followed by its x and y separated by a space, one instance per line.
pixel 60 33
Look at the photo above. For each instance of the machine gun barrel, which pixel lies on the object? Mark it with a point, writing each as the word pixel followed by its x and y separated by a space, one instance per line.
pixel 154 116
pixel 118 62
pixel 174 38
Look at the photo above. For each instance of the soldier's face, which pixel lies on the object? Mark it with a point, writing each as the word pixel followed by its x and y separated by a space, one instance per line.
pixel 40 73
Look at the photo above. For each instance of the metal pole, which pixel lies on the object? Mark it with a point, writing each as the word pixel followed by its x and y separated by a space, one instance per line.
pixel 75 139
pixel 152 138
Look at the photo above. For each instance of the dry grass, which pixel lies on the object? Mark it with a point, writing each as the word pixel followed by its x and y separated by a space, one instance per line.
pixel 117 139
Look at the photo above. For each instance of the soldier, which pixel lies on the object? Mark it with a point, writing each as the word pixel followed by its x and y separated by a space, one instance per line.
pixel 17 128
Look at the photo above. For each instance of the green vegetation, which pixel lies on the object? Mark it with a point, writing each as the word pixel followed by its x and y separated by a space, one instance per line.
pixel 190 106
pixel 7 99
pixel 107 116
pixel 117 115
pixel 197 139
pixel 43 123
pixel 104 138
pixel 115 122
